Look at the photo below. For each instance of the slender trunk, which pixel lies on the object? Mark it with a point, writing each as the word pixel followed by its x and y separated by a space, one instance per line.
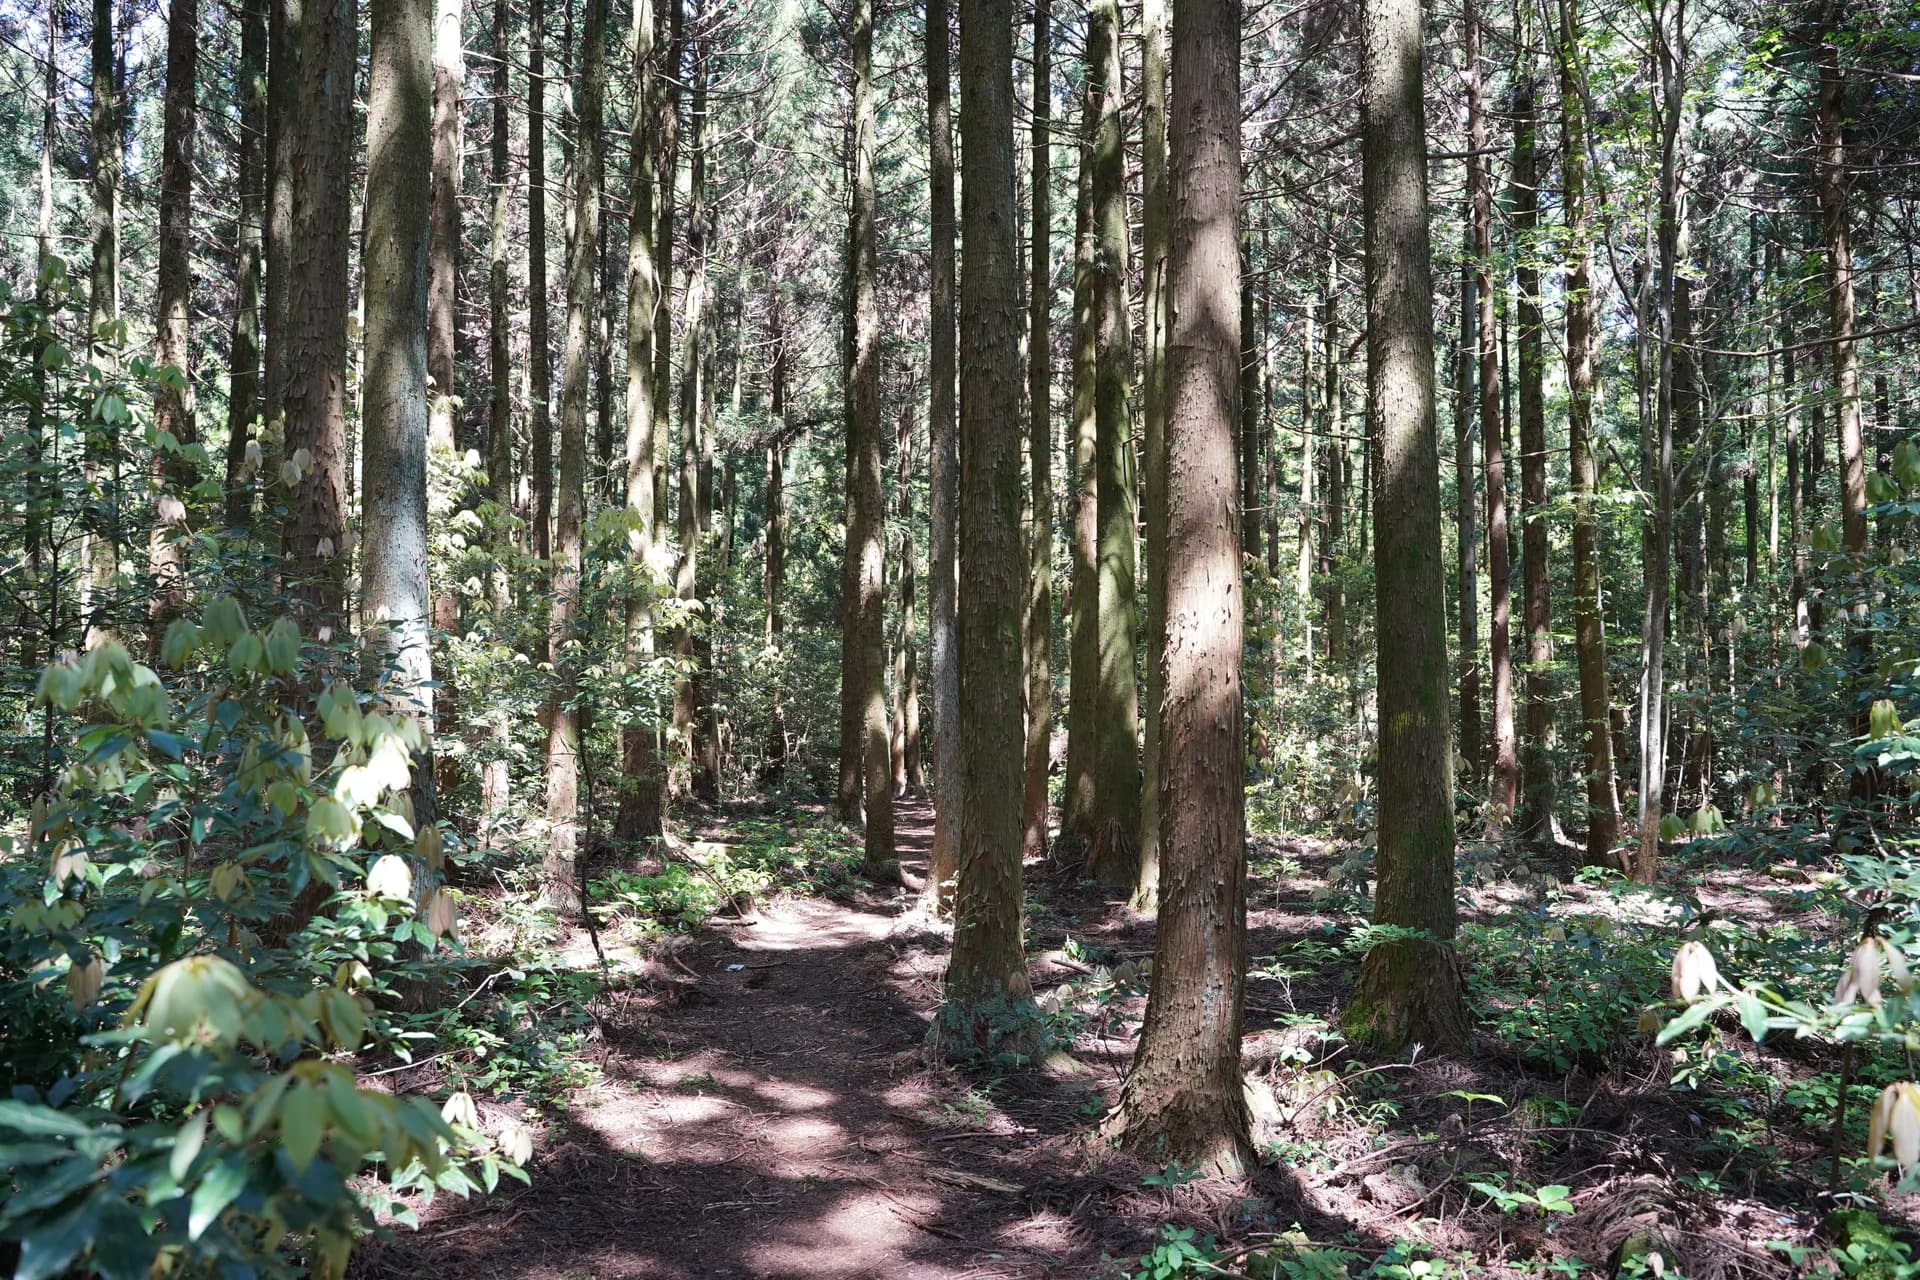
pixel 1537 790
pixel 1184 1099
pixel 988 995
pixel 864 762
pixel 1156 247
pixel 773 770
pixel 540 423
pixel 1506 755
pixel 1077 808
pixel 443 254
pixel 1039 629
pixel 1465 359
pixel 315 397
pixel 943 470
pixel 283 93
pixel 640 815
pixel 393 457
pixel 666 94
pixel 693 372
pixel 100 462
pixel 249 170
pixel 905 770
pixel 564 742
pixel 1837 240
pixel 1114 856
pixel 1657 464
pixel 1590 639
pixel 173 398
pixel 1409 988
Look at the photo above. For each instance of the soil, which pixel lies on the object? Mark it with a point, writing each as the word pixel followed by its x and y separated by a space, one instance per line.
pixel 764 1110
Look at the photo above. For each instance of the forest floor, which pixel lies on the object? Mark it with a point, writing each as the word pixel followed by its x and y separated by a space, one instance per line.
pixel 762 1109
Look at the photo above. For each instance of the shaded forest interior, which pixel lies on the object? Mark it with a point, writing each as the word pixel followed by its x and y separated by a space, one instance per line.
pixel 968 638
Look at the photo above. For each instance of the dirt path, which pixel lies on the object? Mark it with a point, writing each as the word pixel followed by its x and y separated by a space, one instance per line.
pixel 772 1118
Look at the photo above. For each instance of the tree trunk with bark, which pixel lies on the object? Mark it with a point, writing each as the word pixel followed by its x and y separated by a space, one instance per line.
pixel 394 421
pixel 173 397
pixel 249 175
pixel 943 468
pixel 315 396
pixel 1039 628
pixel 1409 988
pixel 1114 855
pixel 1590 638
pixel 1184 1099
pixel 641 815
pixel 1156 235
pixel 988 1005
pixel 1536 765
pixel 1078 814
pixel 564 742
pixel 539 370
pixel 866 791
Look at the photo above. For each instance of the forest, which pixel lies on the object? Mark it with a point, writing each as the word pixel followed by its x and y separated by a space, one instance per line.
pixel 959 639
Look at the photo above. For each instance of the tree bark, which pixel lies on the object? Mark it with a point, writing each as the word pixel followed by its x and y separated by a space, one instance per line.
pixel 540 377
pixel 1505 791
pixel 865 774
pixel 693 391
pixel 315 396
pixel 988 1004
pixel 249 174
pixel 1184 1099
pixel 1409 988
pixel 173 398
pixel 1537 784
pixel 393 456
pixel 559 870
pixel 1590 638
pixel 1156 235
pixel 1465 431
pixel 1077 807
pixel 1114 855
pixel 443 255
pixel 641 815
pixel 1039 629
pixel 943 467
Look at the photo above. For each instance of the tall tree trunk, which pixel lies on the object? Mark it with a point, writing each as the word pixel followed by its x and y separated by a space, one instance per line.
pixel 775 504
pixel 449 81
pixel 640 815
pixel 173 396
pixel 1590 639
pixel 393 457
pixel 864 753
pixel 103 305
pixel 1333 450
pixel 249 176
pixel 904 744
pixel 1114 856
pixel 1537 789
pixel 1184 1099
pixel 1078 813
pixel 1409 988
pixel 692 395
pixel 1837 241
pixel 283 96
pixel 1310 412
pixel 1657 453
pixel 315 396
pixel 1039 629
pixel 943 468
pixel 988 996
pixel 666 92
pixel 563 721
pixel 1467 539
pixel 1156 237
pixel 494 778
pixel 540 379
pixel 105 338
pixel 443 254
pixel 1505 791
